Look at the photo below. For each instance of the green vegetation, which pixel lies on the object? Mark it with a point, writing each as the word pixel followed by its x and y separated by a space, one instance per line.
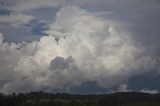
pixel 63 99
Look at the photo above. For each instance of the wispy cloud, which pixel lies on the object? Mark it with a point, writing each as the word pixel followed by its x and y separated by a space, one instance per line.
pixel 16 20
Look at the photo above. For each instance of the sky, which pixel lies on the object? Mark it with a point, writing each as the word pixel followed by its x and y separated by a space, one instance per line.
pixel 79 46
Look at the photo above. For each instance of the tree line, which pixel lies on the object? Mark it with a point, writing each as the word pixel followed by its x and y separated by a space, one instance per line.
pixel 64 99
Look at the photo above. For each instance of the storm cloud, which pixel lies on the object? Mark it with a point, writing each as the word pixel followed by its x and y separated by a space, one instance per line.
pixel 79 47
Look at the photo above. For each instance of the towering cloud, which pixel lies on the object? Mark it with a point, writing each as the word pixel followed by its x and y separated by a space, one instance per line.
pixel 80 47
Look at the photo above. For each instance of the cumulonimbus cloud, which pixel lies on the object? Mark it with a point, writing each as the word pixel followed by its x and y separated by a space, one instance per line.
pixel 79 47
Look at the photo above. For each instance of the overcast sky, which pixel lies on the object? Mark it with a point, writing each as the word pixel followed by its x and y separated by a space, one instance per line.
pixel 79 46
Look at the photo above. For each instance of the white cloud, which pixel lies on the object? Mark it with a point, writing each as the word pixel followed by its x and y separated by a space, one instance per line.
pixel 123 88
pixel 1 38
pixel 149 91
pixel 23 5
pixel 155 91
pixel 89 49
